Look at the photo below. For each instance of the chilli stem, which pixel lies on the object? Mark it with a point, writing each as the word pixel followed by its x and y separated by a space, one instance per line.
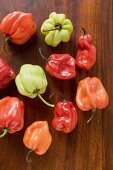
pixel 57 27
pixel 60 94
pixel 84 31
pixel 5 131
pixel 44 101
pixel 27 156
pixel 5 42
pixel 93 111
pixel 40 51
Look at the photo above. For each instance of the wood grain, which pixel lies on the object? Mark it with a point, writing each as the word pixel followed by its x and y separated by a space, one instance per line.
pixel 88 147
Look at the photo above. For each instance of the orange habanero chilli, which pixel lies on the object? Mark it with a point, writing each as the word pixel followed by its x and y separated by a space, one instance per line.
pixel 91 95
pixel 18 27
pixel 37 138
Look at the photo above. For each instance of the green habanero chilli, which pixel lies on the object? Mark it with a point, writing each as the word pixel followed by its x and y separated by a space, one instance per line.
pixel 31 82
pixel 56 29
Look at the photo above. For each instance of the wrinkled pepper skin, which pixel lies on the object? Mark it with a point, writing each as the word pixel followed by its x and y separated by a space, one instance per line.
pixel 31 80
pixel 37 137
pixel 65 117
pixel 7 74
pixel 91 94
pixel 56 29
pixel 18 26
pixel 61 66
pixel 86 55
pixel 11 114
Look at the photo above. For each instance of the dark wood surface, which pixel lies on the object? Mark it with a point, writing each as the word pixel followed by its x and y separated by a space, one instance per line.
pixel 89 146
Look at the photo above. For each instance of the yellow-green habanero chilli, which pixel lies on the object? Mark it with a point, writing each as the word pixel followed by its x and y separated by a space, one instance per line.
pixel 31 81
pixel 56 29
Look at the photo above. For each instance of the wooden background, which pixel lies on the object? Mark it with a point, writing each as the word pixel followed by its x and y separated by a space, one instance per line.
pixel 88 147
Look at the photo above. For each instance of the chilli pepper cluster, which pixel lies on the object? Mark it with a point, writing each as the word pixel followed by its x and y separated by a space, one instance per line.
pixel 31 80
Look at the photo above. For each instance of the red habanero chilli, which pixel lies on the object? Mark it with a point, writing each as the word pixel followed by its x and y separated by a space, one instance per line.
pixel 86 55
pixel 11 115
pixel 6 74
pixel 18 27
pixel 61 66
pixel 65 117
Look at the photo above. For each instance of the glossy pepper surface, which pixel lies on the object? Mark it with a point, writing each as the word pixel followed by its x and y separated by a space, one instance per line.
pixel 7 74
pixel 61 66
pixel 18 27
pixel 91 94
pixel 37 137
pixel 56 29
pixel 11 115
pixel 65 117
pixel 31 81
pixel 86 55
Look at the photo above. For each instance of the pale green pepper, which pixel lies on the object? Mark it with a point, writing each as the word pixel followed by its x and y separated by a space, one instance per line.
pixel 56 29
pixel 31 81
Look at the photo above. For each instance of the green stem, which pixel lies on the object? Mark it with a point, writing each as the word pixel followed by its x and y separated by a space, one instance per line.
pixel 93 111
pixel 5 131
pixel 5 42
pixel 44 101
pixel 27 156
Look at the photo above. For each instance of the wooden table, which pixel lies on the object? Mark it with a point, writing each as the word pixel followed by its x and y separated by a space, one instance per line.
pixel 89 146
